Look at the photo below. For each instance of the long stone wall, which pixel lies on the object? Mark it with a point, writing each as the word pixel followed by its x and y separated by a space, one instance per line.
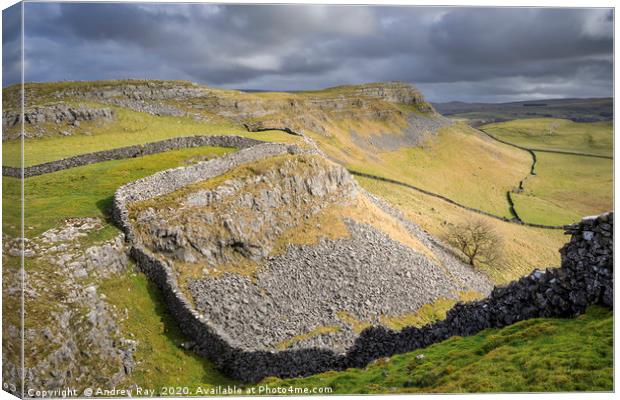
pixel 585 277
pixel 131 152
pixel 448 200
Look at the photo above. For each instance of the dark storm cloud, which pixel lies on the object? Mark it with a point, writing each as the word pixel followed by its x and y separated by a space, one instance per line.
pixel 452 53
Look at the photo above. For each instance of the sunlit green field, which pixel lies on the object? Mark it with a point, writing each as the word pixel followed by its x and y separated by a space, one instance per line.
pixel 565 189
pixel 129 128
pixel 556 134
pixel 86 191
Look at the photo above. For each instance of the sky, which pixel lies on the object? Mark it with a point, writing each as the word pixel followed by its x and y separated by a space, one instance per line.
pixel 450 53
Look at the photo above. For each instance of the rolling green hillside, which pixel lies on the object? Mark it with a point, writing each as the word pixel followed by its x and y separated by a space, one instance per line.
pixel 556 134
pixel 129 128
pixel 458 163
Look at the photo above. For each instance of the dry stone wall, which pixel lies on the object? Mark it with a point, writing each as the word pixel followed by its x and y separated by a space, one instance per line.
pixel 585 277
pixel 131 152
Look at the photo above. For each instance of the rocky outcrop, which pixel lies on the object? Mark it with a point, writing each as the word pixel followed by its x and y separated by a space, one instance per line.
pixel 53 113
pixel 133 90
pixel 232 330
pixel 395 92
pixel 243 216
pixel 72 333
pixel 168 181
pixel 325 112
pixel 361 272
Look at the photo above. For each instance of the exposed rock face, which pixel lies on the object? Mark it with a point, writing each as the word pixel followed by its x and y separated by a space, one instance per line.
pixel 393 105
pixel 136 90
pixel 229 245
pixel 55 113
pixel 296 295
pixel 337 108
pixel 71 332
pixel 395 92
pixel 419 129
pixel 244 217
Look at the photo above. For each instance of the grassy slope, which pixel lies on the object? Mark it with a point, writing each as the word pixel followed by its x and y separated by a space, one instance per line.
pixel 459 163
pixel 86 191
pixel 566 188
pixel 129 128
pixel 556 134
pixel 539 355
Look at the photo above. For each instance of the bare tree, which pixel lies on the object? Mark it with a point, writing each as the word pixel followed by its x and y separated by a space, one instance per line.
pixel 477 241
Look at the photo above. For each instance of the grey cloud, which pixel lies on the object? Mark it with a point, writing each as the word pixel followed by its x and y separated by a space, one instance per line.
pixel 287 47
pixel 11 45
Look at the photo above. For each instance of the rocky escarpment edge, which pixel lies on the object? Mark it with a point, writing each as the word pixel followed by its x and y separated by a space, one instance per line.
pixel 131 152
pixel 585 277
pixel 56 113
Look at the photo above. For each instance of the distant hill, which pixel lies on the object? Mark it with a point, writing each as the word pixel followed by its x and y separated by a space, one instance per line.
pixel 578 110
